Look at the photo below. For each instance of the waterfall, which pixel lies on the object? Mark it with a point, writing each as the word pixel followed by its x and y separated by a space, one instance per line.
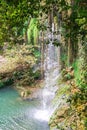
pixel 51 67
pixel 51 74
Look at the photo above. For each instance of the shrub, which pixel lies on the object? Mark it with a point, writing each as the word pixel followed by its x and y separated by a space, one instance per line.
pixel 18 67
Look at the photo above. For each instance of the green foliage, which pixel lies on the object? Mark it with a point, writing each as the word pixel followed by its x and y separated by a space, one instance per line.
pixel 81 21
pixel 37 74
pixel 33 31
pixel 6 82
pixel 1 84
pixel 68 74
pixel 24 77
pixel 78 99
pixel 80 67
pixel 83 66
pixel 14 17
pixel 64 59
pixel 76 66
pixel 37 53
pixel 18 67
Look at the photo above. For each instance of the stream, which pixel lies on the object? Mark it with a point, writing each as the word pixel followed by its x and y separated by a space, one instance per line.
pixel 18 114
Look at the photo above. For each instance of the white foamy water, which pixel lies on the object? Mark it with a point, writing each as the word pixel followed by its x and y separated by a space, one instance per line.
pixel 42 115
pixel 51 66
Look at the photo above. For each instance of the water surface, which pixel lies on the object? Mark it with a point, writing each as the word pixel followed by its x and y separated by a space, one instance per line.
pixel 16 114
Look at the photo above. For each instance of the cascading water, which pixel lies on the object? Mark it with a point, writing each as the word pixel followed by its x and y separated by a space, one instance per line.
pixel 51 67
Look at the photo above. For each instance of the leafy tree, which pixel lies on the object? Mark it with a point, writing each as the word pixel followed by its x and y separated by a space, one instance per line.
pixel 14 17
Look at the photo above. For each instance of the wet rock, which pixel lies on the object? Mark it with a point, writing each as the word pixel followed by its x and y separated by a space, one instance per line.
pixel 23 94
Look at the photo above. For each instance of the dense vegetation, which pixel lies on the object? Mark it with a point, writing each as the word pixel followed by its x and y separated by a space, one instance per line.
pixel 24 26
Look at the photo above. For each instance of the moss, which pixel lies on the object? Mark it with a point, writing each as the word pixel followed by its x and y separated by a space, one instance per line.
pixel 61 92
